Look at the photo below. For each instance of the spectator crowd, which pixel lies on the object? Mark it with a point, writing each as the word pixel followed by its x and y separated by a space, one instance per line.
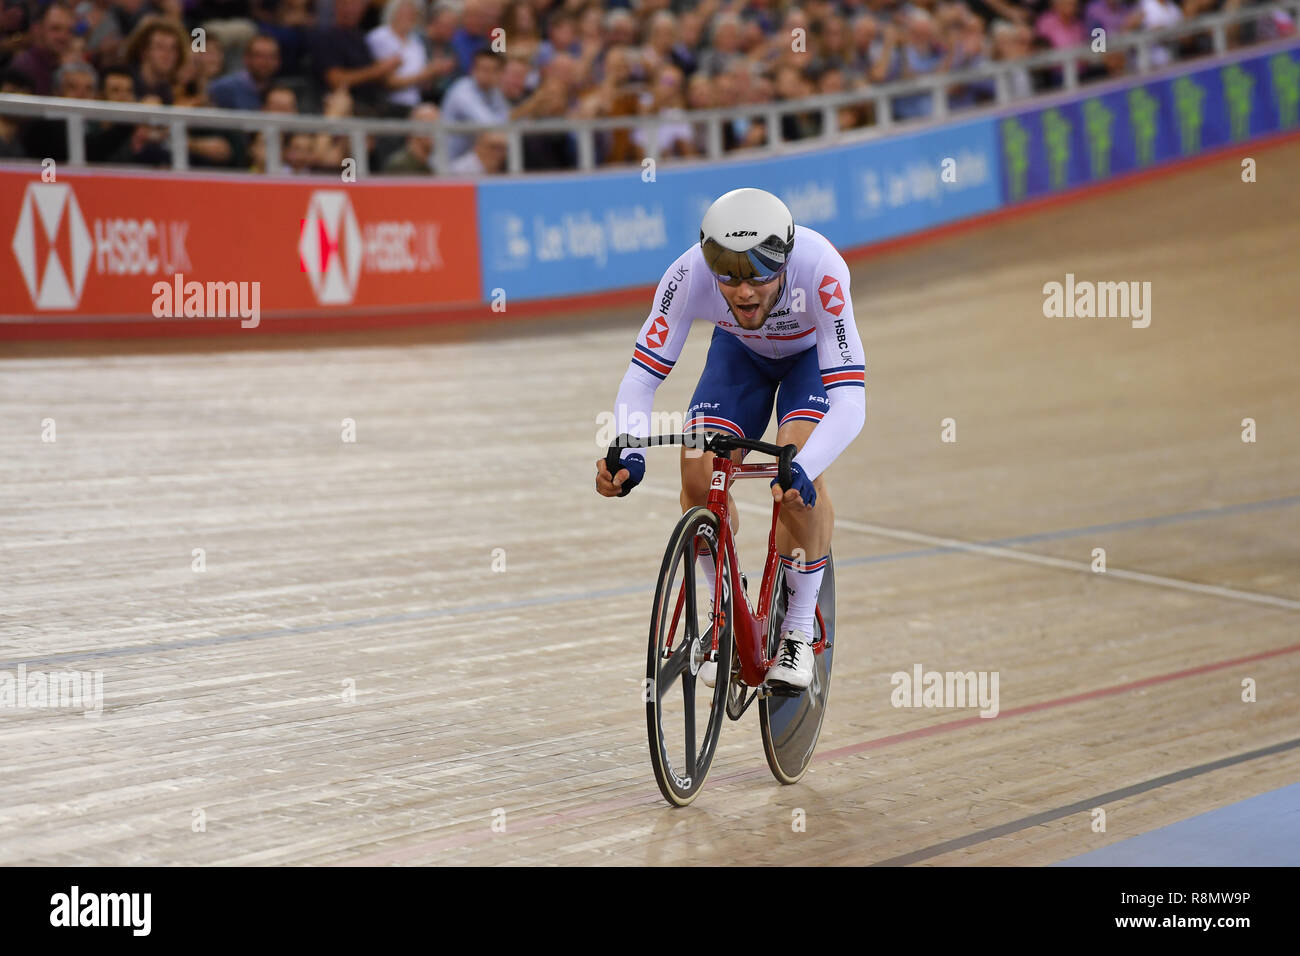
pixel 488 61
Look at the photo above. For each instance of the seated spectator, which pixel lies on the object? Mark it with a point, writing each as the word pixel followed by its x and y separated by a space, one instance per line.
pixel 277 99
pixel 724 45
pixel 343 61
pixel 473 36
pixel 1113 16
pixel 98 23
pixel 156 49
pixel 299 154
pixel 292 26
pixel 916 52
pixel 674 136
pixel 48 138
pixel 416 157
pixel 246 89
pixel 521 28
pixel 104 139
pixel 487 158
pixel 15 29
pixel 76 81
pixel 229 21
pixel 476 98
pixel 442 54
pixel 1061 26
pixel 400 37
pixel 1014 41
pixel 554 99
pixel 1157 14
pixel 12 134
pixel 791 86
pixel 864 30
pixel 129 13
pixel 663 45
pixel 514 82
pixel 561 37
pixel 200 69
pixel 51 37
pixel 147 145
pixel 965 38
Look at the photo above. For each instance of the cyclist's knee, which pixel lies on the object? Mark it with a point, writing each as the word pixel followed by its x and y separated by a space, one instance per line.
pixel 697 472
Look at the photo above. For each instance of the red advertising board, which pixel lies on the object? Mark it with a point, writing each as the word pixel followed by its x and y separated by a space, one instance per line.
pixel 177 252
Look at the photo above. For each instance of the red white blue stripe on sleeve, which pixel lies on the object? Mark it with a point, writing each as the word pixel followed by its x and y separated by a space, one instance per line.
pixel 844 375
pixel 652 362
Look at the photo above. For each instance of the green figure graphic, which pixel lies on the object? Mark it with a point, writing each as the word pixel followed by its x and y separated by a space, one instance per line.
pixel 1143 113
pixel 1189 98
pixel 1056 136
pixel 1286 88
pixel 1098 120
pixel 1015 142
pixel 1238 87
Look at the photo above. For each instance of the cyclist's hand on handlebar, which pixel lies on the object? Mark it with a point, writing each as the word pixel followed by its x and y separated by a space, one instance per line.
pixel 627 478
pixel 801 496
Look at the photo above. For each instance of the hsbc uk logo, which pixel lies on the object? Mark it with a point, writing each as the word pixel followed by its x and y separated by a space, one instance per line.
pixel 658 333
pixel 329 247
pixel 334 249
pixel 831 295
pixel 52 245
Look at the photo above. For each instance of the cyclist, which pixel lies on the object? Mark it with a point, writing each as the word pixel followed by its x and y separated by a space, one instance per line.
pixel 778 297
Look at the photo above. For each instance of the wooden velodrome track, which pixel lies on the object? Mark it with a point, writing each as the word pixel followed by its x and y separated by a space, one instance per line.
pixel 226 737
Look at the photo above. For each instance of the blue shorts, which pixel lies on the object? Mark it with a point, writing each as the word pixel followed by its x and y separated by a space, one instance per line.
pixel 737 387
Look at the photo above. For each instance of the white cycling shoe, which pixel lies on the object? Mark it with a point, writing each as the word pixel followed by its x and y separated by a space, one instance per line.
pixel 794 661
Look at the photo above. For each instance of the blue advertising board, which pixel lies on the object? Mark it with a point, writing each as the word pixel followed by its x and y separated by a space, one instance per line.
pixel 565 236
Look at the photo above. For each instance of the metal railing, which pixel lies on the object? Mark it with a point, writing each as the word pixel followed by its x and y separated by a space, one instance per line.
pixel 180 120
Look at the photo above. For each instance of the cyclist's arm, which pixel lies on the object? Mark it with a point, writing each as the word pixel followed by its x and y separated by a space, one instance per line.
pixel 843 366
pixel 658 345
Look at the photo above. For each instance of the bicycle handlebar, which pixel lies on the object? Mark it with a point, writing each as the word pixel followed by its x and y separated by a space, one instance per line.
pixel 716 442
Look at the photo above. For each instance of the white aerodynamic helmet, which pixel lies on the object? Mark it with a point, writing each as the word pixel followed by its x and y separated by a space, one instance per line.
pixel 747 234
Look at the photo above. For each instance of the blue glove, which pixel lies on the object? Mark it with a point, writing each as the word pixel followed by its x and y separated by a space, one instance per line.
pixel 635 465
pixel 801 484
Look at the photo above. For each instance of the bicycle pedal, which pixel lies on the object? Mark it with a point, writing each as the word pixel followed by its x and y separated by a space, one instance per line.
pixel 783 690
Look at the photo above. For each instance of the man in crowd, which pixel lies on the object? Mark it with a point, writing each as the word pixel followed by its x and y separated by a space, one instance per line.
pixel 243 90
pixel 51 38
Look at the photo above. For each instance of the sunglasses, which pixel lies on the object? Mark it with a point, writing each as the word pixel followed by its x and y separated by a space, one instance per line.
pixel 733 282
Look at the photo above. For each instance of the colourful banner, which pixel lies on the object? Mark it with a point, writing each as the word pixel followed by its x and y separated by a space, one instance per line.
pixel 1095 138
pixel 153 246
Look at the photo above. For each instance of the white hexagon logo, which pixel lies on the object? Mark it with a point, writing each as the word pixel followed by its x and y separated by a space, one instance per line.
pixel 52 246
pixel 329 247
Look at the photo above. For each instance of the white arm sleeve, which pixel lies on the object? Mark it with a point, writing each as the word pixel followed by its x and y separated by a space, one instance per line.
pixel 843 367
pixel 658 346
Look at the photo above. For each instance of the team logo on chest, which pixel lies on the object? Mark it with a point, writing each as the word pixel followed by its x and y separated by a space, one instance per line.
pixel 658 333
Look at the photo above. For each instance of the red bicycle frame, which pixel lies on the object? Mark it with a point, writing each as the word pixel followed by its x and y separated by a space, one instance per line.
pixel 749 628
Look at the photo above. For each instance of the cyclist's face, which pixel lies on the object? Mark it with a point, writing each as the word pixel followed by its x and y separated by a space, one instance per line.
pixel 751 302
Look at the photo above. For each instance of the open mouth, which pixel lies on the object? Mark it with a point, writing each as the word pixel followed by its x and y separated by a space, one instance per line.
pixel 747 312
